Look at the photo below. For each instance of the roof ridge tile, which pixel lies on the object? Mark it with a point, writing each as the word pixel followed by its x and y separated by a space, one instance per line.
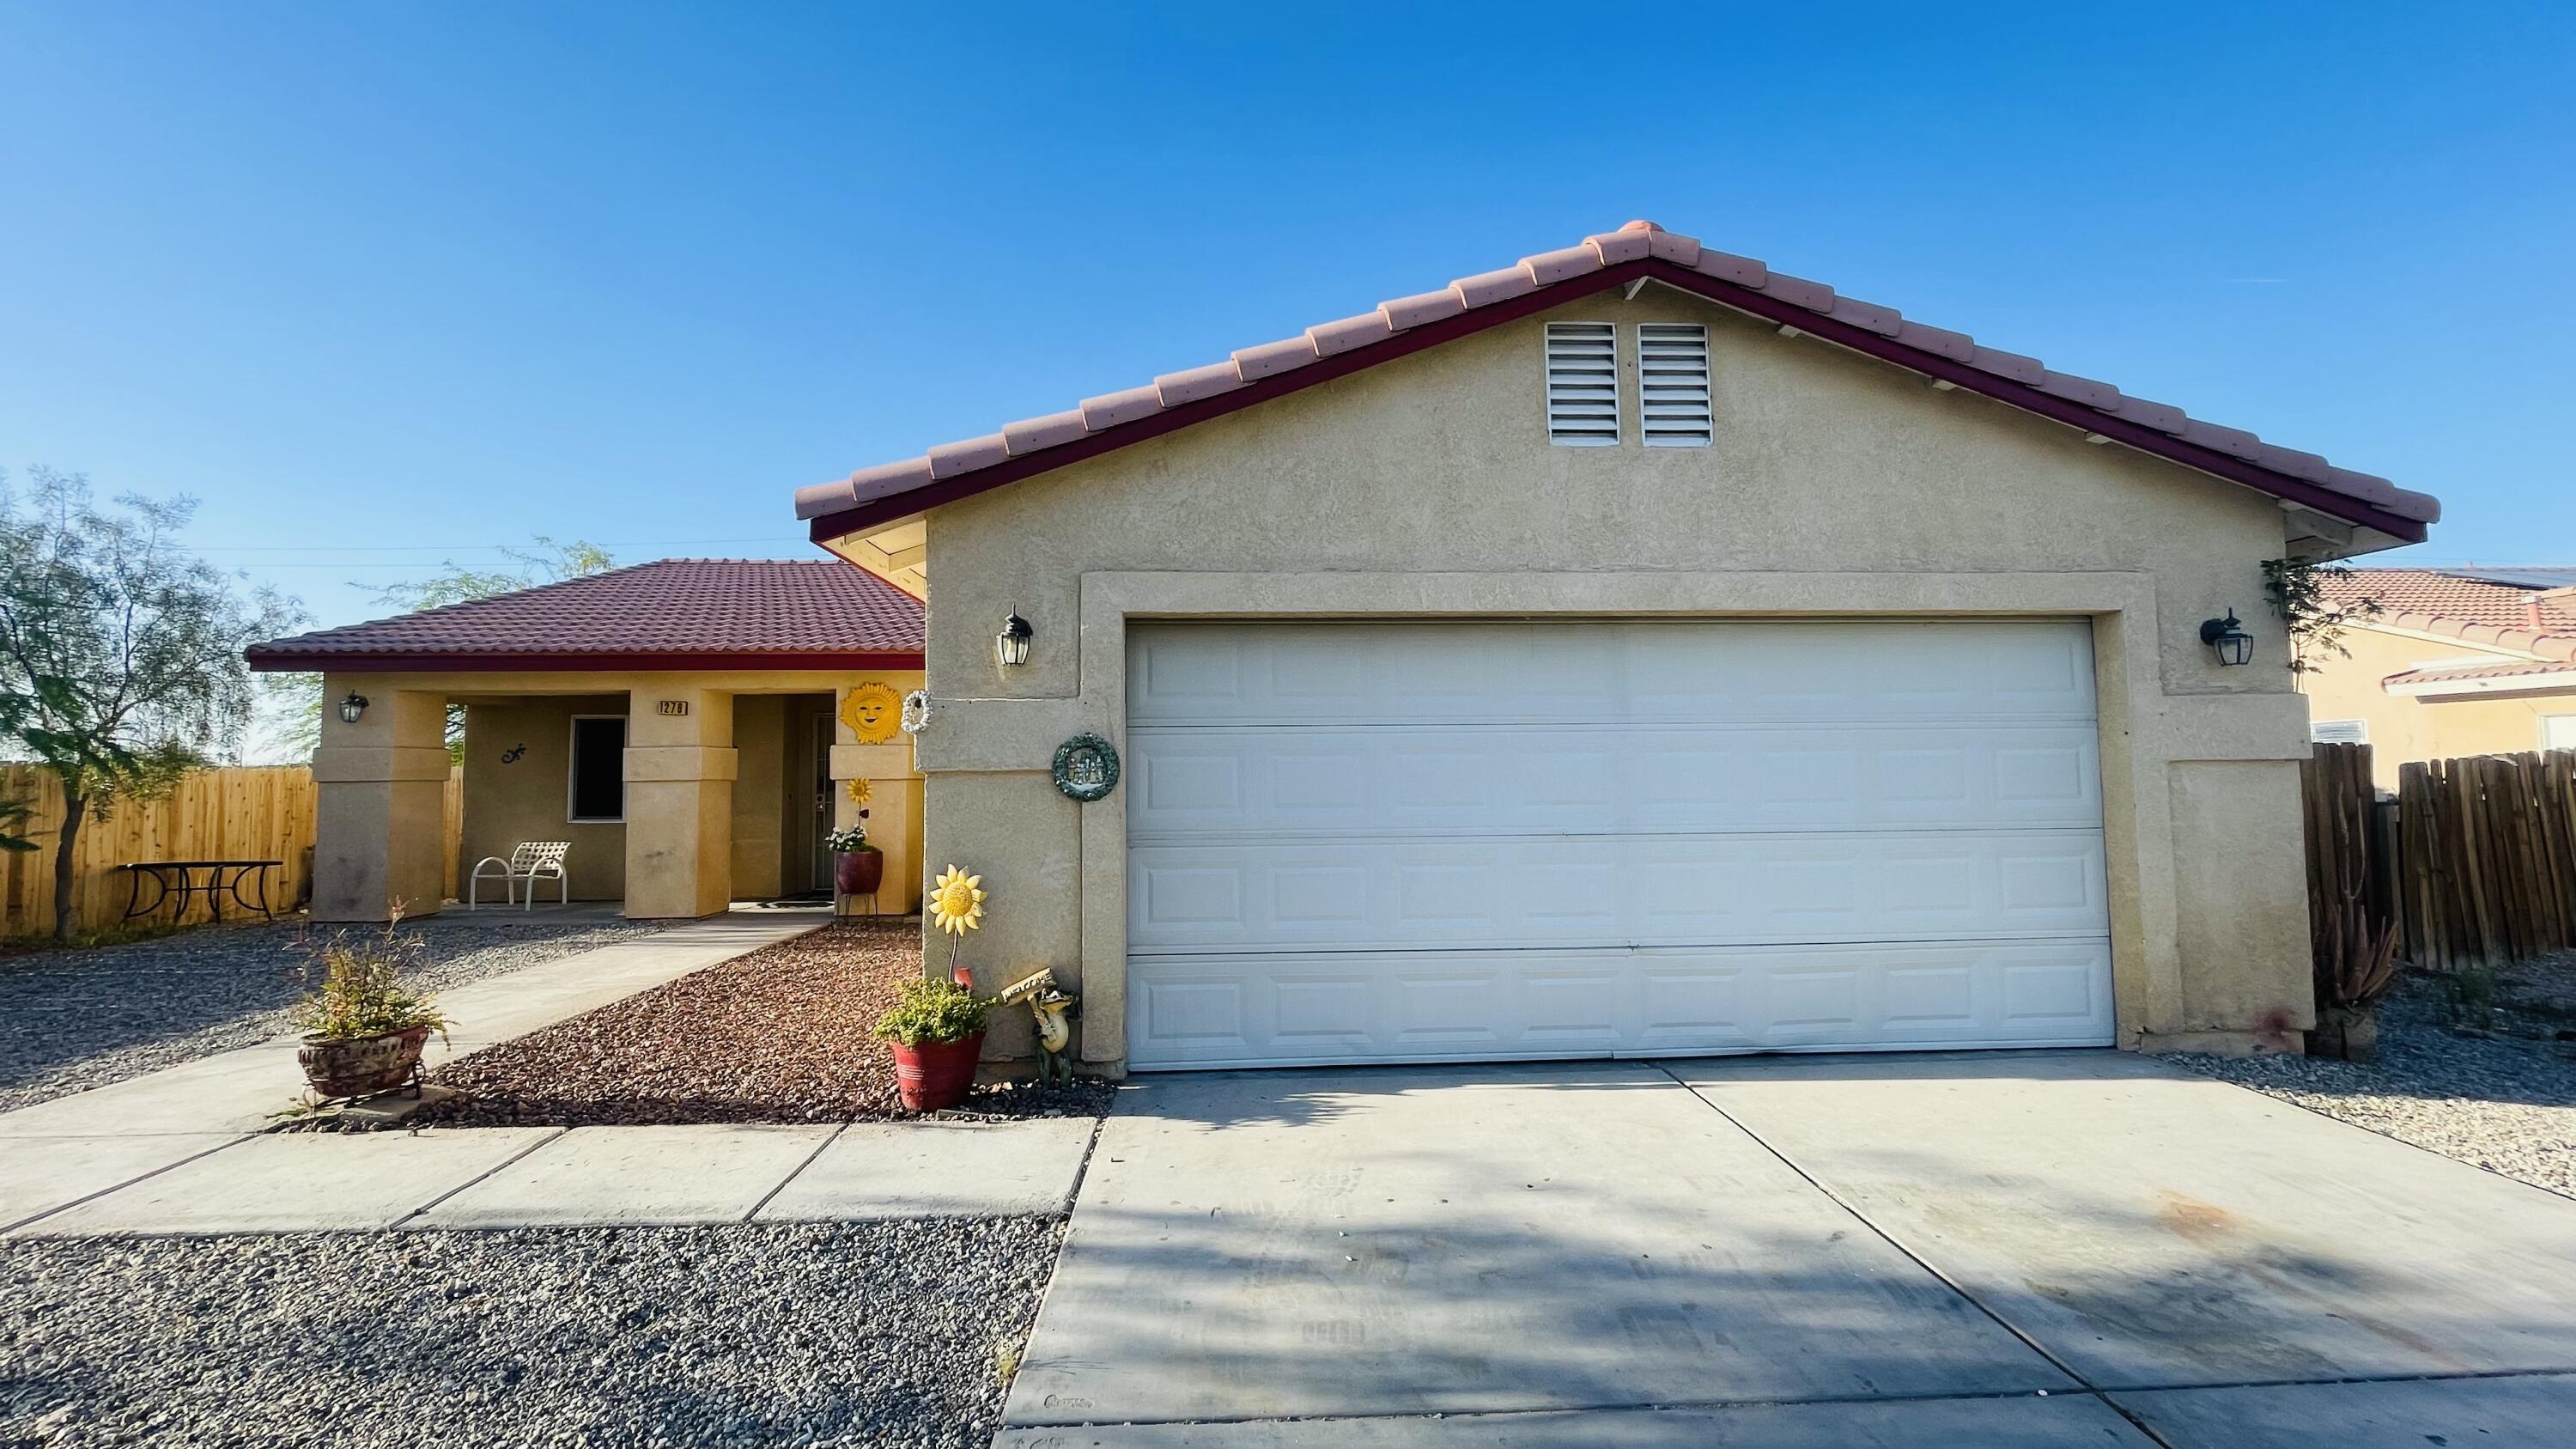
pixel 1637 241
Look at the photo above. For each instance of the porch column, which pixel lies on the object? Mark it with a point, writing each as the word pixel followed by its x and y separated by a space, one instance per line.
pixel 680 767
pixel 380 803
pixel 894 815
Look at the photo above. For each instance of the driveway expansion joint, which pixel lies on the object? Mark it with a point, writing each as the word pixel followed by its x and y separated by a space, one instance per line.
pixel 1954 1285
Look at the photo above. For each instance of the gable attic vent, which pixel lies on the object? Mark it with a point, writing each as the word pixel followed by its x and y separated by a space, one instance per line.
pixel 1582 384
pixel 1672 384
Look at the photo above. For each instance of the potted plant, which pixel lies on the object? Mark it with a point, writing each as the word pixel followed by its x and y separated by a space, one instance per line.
pixel 937 1035
pixel 858 867
pixel 363 1029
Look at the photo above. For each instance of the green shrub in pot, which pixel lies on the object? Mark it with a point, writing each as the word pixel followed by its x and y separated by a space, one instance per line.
pixel 934 1013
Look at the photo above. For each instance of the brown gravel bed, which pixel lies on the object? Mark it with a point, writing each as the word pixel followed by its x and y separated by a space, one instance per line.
pixel 780 1035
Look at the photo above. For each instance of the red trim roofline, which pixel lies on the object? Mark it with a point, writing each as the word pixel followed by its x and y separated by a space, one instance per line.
pixel 284 661
pixel 877 512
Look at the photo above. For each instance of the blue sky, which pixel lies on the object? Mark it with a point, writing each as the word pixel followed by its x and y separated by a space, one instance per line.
pixel 386 283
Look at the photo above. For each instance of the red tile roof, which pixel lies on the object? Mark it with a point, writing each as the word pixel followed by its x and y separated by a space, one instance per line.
pixel 686 613
pixel 2476 671
pixel 2436 601
pixel 1640 249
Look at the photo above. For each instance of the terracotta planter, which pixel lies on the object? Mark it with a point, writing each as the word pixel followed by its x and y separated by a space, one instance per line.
pixel 858 872
pixel 935 1074
pixel 363 1065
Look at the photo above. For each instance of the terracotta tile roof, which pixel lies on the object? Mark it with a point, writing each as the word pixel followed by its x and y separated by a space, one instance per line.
pixel 671 613
pixel 887 491
pixel 2541 623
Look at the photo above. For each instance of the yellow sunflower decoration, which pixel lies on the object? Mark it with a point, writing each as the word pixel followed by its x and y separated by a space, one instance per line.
pixel 957 901
pixel 957 906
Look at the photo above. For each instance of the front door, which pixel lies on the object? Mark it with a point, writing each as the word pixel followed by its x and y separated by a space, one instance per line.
pixel 821 776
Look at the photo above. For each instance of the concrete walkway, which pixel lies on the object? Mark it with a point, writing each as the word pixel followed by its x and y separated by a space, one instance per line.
pixel 184 1150
pixel 2017 1249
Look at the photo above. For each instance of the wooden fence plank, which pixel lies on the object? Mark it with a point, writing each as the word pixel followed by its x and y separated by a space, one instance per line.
pixel 233 813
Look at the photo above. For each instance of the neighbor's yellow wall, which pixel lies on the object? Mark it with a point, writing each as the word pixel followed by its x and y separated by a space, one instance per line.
pixel 2403 727
pixel 1836 485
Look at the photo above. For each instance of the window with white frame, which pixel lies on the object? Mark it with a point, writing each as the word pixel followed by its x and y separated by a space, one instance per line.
pixel 2558 731
pixel 1672 385
pixel 2339 731
pixel 1583 384
pixel 595 784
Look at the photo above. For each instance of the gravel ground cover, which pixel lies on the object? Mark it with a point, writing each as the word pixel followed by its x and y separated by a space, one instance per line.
pixel 2504 1101
pixel 895 1333
pixel 779 1035
pixel 72 1020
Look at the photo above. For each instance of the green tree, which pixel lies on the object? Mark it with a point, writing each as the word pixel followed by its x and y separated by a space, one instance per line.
pixel 544 561
pixel 298 697
pixel 120 653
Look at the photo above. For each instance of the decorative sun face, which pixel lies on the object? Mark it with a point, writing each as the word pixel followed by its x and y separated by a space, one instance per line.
pixel 872 711
pixel 957 901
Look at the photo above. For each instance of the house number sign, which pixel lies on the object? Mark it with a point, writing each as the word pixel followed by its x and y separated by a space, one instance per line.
pixel 672 707
pixel 1086 767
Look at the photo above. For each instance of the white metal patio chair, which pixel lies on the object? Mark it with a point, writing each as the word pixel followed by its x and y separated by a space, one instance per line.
pixel 533 861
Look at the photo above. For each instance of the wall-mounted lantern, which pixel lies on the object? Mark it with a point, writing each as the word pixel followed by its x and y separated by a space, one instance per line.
pixel 1011 646
pixel 352 707
pixel 2227 639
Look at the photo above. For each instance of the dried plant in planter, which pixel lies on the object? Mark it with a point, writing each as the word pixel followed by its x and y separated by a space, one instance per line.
pixel 2353 944
pixel 363 1028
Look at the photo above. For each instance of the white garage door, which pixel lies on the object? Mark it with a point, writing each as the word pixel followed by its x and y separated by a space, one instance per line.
pixel 1354 842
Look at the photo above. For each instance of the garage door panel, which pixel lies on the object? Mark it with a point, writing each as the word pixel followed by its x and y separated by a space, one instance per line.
pixel 1283 1010
pixel 1361 894
pixel 1415 842
pixel 1675 670
pixel 1508 779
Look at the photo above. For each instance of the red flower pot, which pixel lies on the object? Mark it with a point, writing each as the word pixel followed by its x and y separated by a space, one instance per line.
pixel 936 1074
pixel 858 872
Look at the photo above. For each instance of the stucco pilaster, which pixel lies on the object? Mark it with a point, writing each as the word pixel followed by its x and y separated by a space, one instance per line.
pixel 680 768
pixel 380 804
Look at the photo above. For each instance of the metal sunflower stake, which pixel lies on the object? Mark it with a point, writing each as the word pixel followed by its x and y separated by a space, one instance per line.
pixel 957 906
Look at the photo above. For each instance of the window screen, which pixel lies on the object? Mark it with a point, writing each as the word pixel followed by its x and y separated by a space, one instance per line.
pixel 598 768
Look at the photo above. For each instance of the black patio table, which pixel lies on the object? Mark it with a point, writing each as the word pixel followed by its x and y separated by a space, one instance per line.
pixel 212 879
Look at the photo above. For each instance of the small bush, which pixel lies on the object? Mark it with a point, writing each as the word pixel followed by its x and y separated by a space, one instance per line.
pixel 2470 993
pixel 362 994
pixel 934 1011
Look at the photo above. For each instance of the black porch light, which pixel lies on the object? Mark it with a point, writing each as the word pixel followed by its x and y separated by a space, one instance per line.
pixel 352 707
pixel 2227 639
pixel 1011 646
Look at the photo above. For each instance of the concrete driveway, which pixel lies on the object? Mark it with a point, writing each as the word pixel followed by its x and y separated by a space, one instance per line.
pixel 1994 1250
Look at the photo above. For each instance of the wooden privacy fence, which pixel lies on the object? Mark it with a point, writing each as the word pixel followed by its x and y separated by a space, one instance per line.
pixel 234 813
pixel 2486 850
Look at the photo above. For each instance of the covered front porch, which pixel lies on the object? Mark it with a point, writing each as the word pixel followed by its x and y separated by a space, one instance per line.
pixel 687 731
pixel 675 796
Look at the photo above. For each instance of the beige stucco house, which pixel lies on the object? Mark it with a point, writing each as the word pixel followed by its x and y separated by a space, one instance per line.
pixel 2454 661
pixel 1633 650
pixel 690 728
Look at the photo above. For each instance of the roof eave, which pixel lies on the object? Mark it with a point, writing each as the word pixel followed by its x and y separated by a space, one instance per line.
pixel 877 512
pixel 280 661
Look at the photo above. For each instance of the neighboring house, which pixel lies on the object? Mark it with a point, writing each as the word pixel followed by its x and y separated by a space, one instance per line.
pixel 691 727
pixel 1629 651
pixel 2465 661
